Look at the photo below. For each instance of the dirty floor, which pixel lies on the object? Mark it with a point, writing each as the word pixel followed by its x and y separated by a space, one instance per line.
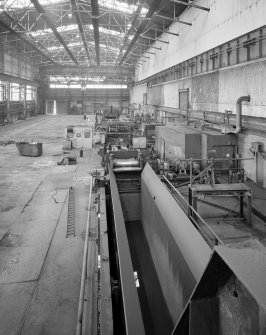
pixel 40 266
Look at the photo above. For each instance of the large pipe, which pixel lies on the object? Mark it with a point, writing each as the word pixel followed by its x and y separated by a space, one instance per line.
pixel 126 163
pixel 239 112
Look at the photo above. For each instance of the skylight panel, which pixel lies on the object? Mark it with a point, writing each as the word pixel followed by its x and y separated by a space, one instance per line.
pixel 120 6
pixel 47 31
pixel 73 27
pixel 117 6
pixel 18 4
pixel 60 47
pixel 98 86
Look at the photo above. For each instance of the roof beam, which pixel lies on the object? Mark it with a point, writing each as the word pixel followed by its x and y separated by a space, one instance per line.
pixel 173 19
pixel 154 39
pixel 46 18
pixel 154 6
pixel 25 40
pixel 130 31
pixel 75 9
pixel 148 46
pixel 87 71
pixel 95 23
pixel 17 23
pixel 161 31
pixel 189 4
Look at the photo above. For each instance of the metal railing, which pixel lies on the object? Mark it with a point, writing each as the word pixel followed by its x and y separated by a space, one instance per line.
pixel 84 273
pixel 208 234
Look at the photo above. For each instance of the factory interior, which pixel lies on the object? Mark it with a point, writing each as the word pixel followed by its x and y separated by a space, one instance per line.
pixel 133 167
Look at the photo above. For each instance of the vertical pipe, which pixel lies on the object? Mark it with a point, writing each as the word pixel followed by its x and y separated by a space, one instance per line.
pixel 239 112
pixel 84 267
pixel 25 102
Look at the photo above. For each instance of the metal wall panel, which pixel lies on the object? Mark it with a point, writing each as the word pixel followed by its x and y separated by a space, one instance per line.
pixel 179 253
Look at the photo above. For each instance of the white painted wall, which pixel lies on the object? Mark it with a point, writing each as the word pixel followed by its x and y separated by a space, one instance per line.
pixel 244 80
pixel 226 20
pixel 136 94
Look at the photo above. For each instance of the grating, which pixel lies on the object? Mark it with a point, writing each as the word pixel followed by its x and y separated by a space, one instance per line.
pixel 71 213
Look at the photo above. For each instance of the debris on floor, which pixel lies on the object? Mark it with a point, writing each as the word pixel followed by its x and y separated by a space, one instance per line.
pixel 5 143
pixel 67 161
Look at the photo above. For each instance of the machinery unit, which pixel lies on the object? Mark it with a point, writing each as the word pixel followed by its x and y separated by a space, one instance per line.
pixel 257 146
pixel 163 269
pixel 177 142
pixel 139 142
pixel 80 136
pixel 217 145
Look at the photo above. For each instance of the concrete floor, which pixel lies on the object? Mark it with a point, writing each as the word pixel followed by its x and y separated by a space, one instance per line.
pixel 40 268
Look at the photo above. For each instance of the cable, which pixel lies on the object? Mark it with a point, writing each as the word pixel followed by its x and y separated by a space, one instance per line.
pixel 231 210
pixel 55 195
pixel 258 198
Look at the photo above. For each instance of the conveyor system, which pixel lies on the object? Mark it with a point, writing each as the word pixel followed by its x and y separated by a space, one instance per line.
pixel 164 276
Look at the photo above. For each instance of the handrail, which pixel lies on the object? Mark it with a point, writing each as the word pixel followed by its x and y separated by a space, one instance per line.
pixel 84 266
pixel 190 208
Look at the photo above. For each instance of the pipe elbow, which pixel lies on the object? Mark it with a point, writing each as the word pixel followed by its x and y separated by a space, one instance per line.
pixel 237 130
pixel 239 112
pixel 243 98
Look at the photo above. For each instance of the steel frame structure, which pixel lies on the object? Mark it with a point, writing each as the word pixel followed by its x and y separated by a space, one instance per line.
pixel 86 33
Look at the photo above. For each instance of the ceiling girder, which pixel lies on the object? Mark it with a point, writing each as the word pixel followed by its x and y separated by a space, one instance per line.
pixel 130 31
pixel 25 40
pixel 85 70
pixel 173 19
pixel 160 31
pixel 46 18
pixel 23 29
pixel 95 23
pixel 148 46
pixel 75 8
pixel 189 4
pixel 153 8
pixel 154 39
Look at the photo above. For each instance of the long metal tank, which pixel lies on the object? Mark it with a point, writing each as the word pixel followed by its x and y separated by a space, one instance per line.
pixel 179 252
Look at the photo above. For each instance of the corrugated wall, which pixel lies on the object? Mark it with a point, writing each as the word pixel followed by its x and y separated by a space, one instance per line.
pixel 13 66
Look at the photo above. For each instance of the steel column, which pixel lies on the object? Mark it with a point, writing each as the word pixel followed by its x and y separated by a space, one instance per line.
pixel 154 6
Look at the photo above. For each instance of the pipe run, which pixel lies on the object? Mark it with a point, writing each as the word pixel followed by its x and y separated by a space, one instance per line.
pixel 84 266
pixel 239 112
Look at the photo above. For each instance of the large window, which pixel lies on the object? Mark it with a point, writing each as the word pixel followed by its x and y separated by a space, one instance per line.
pixel 31 93
pixel 2 91
pixel 14 92
pixel 106 86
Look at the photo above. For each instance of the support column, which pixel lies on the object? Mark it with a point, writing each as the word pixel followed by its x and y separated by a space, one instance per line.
pixel 24 101
pixel 82 101
pixel 121 99
pixel 8 112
